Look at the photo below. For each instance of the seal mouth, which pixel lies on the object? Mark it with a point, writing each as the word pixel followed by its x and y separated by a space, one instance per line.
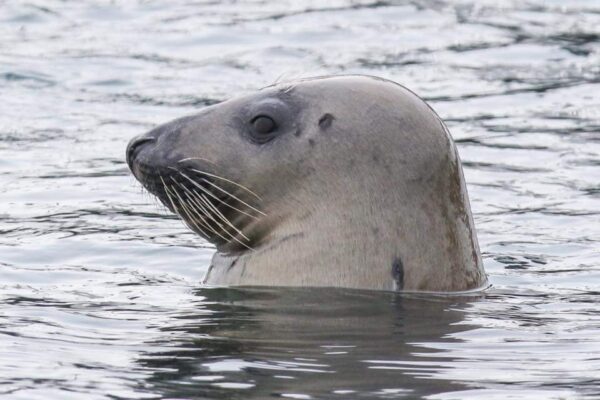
pixel 214 207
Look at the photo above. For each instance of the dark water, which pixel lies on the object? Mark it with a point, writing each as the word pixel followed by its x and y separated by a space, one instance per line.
pixel 99 286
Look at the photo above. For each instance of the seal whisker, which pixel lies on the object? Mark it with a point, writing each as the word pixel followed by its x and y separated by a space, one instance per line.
pixel 175 208
pixel 231 195
pixel 212 218
pixel 196 158
pixel 215 197
pixel 211 206
pixel 167 191
pixel 227 180
pixel 223 218
pixel 189 207
pixel 168 194
pixel 188 211
pixel 199 213
pixel 232 237
pixel 203 222
pixel 289 88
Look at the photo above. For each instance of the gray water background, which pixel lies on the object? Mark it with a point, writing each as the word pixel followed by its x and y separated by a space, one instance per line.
pixel 99 285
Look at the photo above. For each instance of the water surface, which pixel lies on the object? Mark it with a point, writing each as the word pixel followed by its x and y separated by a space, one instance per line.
pixel 99 285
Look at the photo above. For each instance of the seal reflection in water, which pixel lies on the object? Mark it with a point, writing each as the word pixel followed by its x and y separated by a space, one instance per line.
pixel 345 181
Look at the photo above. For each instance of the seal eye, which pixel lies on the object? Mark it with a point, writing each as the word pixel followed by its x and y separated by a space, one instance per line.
pixel 263 125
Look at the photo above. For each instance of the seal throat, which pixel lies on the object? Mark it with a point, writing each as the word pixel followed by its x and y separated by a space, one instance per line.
pixel 206 204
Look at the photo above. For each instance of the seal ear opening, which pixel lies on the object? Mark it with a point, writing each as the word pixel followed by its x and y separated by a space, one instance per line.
pixel 326 120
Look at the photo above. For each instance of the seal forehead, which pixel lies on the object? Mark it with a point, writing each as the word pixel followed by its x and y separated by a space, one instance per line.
pixel 361 98
pixel 338 82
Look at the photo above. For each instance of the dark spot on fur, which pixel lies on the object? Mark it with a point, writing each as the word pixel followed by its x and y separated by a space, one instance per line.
pixel 232 264
pixel 311 142
pixel 325 121
pixel 298 132
pixel 398 273
pixel 305 216
pixel 208 273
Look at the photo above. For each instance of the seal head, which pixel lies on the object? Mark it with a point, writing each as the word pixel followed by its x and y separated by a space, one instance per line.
pixel 346 181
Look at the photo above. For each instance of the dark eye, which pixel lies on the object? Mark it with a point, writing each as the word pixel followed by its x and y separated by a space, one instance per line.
pixel 263 125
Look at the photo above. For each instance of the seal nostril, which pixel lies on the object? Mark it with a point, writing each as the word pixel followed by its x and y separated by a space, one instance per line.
pixel 134 146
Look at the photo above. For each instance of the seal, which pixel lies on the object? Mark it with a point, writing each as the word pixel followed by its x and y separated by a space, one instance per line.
pixel 340 181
